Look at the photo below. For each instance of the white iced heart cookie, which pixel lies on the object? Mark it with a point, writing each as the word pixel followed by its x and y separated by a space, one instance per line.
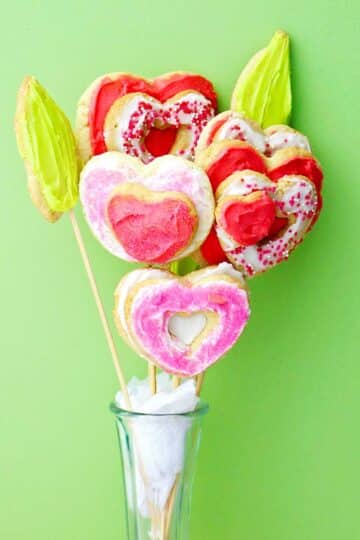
pixel 182 324
pixel 230 125
pixel 259 222
pixel 133 118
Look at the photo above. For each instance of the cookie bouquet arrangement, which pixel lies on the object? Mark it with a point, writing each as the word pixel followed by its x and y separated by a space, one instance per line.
pixel 200 202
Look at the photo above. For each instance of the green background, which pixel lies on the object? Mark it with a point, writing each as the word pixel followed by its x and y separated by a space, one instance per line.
pixel 281 447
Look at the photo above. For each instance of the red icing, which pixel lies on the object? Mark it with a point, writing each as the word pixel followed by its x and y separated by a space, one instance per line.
pixel 235 159
pixel 277 225
pixel 305 166
pixel 160 141
pixel 151 232
pixel 211 249
pixel 162 88
pixel 248 222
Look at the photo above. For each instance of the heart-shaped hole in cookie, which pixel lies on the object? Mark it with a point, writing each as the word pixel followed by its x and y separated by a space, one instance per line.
pixel 159 141
pixel 151 226
pixel 185 328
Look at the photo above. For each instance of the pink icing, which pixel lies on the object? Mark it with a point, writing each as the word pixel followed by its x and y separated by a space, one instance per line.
pixel 153 308
pixel 95 190
pixel 151 231
pixel 167 173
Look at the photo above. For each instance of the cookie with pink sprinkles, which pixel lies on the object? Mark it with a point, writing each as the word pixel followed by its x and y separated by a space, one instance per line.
pixel 145 118
pixel 182 324
pixel 260 222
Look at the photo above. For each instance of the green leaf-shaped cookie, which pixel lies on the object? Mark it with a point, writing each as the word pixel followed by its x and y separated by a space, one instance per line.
pixel 263 90
pixel 47 145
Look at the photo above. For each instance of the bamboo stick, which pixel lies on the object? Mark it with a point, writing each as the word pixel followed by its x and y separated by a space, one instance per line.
pixel 100 308
pixel 152 377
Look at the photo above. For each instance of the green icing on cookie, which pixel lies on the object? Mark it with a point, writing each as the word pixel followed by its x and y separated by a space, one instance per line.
pixel 263 90
pixel 46 143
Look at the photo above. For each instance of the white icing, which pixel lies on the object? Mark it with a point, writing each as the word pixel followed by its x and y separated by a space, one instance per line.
pixel 237 127
pixel 220 269
pixel 159 441
pixel 139 114
pixel 269 141
pixel 124 289
pixel 227 243
pixel 111 161
pixel 244 183
pixel 186 328
pixel 286 137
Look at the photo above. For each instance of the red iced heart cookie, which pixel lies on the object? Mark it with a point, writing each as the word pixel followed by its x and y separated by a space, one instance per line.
pixel 259 222
pixel 231 158
pixel 152 227
pixel 230 142
pixel 145 118
pixel 223 157
pixel 147 213
pixel 295 161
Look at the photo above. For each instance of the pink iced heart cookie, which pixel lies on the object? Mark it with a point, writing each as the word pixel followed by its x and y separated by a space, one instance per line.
pixel 155 213
pixel 259 222
pixel 182 324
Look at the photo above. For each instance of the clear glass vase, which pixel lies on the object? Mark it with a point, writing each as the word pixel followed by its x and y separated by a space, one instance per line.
pixel 159 453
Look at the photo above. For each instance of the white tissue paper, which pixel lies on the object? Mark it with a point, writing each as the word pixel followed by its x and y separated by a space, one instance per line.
pixel 159 442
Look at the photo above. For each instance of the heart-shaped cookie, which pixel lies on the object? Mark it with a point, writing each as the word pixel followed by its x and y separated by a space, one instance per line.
pixel 142 126
pixel 182 324
pixel 221 159
pixel 230 125
pixel 152 213
pixel 142 117
pixel 231 143
pixel 259 222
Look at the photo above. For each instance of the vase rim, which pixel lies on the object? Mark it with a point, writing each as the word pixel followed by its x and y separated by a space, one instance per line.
pixel 200 410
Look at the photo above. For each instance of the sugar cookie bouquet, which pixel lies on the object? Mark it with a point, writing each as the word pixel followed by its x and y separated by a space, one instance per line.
pixel 163 178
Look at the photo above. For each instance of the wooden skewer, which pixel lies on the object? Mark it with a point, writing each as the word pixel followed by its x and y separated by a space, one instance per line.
pixel 100 308
pixel 152 377
pixel 170 507
pixel 176 381
pixel 199 382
